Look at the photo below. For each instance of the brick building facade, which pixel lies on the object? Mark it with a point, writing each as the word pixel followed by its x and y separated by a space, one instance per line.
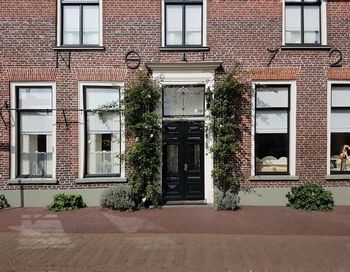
pixel 71 48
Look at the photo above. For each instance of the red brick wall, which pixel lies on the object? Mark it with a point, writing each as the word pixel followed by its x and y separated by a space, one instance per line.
pixel 237 30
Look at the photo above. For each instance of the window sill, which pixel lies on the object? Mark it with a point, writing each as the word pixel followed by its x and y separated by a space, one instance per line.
pixel 338 177
pixel 274 178
pixel 184 49
pixel 78 48
pixel 32 181
pixel 101 180
pixel 305 47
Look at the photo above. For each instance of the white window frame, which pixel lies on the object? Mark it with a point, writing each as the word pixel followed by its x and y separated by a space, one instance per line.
pixel 329 118
pixel 14 125
pixel 81 129
pixel 59 20
pixel 292 124
pixel 323 23
pixel 204 24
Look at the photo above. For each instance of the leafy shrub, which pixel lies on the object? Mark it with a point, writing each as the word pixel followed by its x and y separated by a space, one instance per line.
pixel 118 198
pixel 63 202
pixel 310 196
pixel 3 202
pixel 226 202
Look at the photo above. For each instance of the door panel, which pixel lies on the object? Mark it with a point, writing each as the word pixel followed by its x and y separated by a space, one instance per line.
pixel 183 161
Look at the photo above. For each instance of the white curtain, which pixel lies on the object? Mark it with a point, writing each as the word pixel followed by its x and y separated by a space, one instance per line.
pixel 71 24
pixel 312 24
pixel 272 122
pixel 271 97
pixel 293 24
pixel 340 121
pixel 97 97
pixel 36 123
pixel 174 24
pixel 35 98
pixel 341 96
pixel 91 19
pixel 193 24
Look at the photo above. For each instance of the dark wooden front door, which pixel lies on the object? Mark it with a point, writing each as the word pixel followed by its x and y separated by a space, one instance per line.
pixel 183 161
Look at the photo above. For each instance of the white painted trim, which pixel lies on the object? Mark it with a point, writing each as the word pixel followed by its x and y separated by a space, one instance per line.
pixel 81 124
pixel 329 117
pixel 198 76
pixel 204 30
pixel 14 133
pixel 323 23
pixel 59 21
pixel 292 123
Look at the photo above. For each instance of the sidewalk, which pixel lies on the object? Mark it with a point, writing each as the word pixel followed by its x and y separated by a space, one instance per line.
pixel 175 239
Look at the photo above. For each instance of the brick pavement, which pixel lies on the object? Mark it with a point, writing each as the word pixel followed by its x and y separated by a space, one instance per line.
pixel 175 239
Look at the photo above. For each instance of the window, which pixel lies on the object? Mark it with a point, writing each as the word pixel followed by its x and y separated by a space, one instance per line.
pixel 80 22
pixel 183 23
pixel 102 137
pixel 303 22
pixel 340 129
pixel 272 115
pixel 35 132
pixel 183 100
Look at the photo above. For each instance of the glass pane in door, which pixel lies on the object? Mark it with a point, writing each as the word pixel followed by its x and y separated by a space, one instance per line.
pixel 194 157
pixel 172 159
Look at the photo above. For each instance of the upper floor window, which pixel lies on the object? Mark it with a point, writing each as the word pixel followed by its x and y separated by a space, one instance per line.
pixel 303 22
pixel 183 23
pixel 80 22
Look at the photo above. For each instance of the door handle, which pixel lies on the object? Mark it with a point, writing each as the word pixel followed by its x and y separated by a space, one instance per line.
pixel 185 167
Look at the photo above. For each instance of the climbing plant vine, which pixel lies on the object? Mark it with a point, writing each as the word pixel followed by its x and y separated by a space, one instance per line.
pixel 143 125
pixel 224 129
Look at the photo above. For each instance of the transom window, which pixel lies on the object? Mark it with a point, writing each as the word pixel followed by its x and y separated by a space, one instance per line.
pixel 340 129
pixel 183 23
pixel 183 100
pixel 272 110
pixel 102 137
pixel 303 21
pixel 35 126
pixel 80 22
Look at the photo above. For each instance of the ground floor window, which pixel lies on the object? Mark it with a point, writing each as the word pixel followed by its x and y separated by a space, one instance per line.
pixel 35 127
pixel 272 108
pixel 102 137
pixel 340 129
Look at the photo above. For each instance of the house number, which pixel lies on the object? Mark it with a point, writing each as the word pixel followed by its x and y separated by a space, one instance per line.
pixel 339 54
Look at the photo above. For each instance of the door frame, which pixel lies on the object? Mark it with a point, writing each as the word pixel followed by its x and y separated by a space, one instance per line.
pixel 201 73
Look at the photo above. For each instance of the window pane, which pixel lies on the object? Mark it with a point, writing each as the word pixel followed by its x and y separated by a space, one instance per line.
pixel 35 98
pixel 272 121
pixel 271 153
pixel 174 25
pixel 91 25
pixel 35 155
pixel 103 153
pixel 95 124
pixel 271 97
pixel 36 123
pixel 71 24
pixel 194 157
pixel 183 100
pixel 340 143
pixel 311 24
pixel 193 24
pixel 341 96
pixel 96 97
pixel 293 24
pixel 340 121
